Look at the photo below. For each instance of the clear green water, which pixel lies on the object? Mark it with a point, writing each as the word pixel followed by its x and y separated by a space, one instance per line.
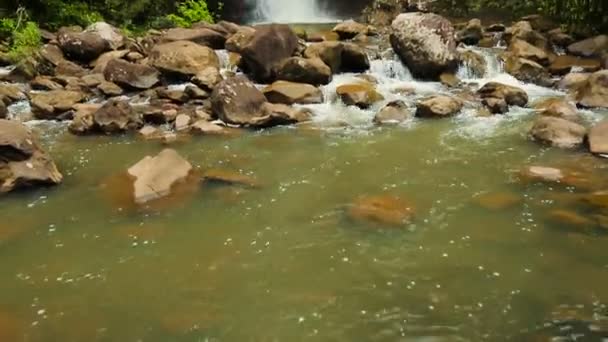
pixel 283 263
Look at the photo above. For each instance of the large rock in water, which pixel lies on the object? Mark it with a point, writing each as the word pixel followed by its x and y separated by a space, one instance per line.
pixel 329 52
pixel 558 132
pixel 528 71
pixel 383 209
pixel 23 163
pixel 82 46
pixel 155 176
pixel 130 75
pixel 183 59
pixel 290 93
pixel 438 106
pixel 269 45
pixel 394 112
pixel 304 70
pixel 115 116
pixel 425 43
pixel 237 101
pixel 598 138
pixel 498 97
pixel 594 93
pixel 362 95
pixel 523 49
pixel 590 47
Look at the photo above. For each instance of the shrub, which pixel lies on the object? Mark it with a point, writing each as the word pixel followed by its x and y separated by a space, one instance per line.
pixel 25 40
pixel 190 12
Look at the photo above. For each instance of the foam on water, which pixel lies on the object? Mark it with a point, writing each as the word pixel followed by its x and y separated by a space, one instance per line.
pixel 281 11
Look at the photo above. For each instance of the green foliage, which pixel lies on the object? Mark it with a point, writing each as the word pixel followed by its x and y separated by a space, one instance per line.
pixel 7 27
pixel 25 40
pixel 190 12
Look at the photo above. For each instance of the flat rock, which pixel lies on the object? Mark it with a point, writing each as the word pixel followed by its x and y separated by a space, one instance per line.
pixel 291 93
pixel 558 132
pixel 438 106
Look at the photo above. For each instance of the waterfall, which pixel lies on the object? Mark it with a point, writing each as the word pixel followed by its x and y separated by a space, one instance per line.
pixel 281 11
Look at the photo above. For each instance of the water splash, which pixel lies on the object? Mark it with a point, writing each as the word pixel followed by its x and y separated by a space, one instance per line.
pixel 281 11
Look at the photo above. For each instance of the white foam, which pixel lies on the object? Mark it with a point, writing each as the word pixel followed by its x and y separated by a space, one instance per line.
pixel 282 11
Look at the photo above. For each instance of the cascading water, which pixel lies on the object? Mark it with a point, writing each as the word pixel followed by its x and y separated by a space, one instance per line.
pixel 281 11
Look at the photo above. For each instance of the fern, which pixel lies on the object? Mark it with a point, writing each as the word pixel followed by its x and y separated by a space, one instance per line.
pixel 190 12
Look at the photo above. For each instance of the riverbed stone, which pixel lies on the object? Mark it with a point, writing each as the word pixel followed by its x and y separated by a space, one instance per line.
pixel 590 47
pixel 598 138
pixel 182 122
pixel 228 177
pixel 329 52
pixel 23 162
pixel 290 93
pixel 304 70
pixel 498 200
pixel 474 62
pixel 394 112
pixel 11 93
pixel 278 114
pixel 527 71
pixel 115 116
pixel 573 81
pixel 204 127
pixel 384 210
pixel 559 38
pixel 472 33
pixel 558 107
pixel 563 64
pixel 269 45
pixel 112 35
pixel 45 83
pixel 438 106
pixel 349 29
pixel 594 92
pixel 558 132
pixel 154 177
pixel 425 43
pixel 240 39
pixel 237 101
pixel 523 30
pixel 183 59
pixel 49 105
pixel 522 49
pixel 99 64
pixel 131 75
pixel 570 219
pixel 354 58
pixel 513 96
pixel 81 46
pixel 537 173
pixel 362 95
pixel 201 35
pixel 110 89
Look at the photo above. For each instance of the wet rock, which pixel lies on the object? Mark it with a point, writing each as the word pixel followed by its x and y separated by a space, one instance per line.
pixel 474 62
pixel 182 122
pixel 154 177
pixel 570 219
pixel 362 95
pixel 208 78
pixel 304 70
pixel 528 71
pixel 82 46
pixel 52 54
pixel 194 92
pixel 240 39
pixel 92 80
pixel 99 65
pixel 496 28
pixel 177 95
pixel 425 43
pixel 512 96
pixel 495 105
pixel 498 200
pixel 67 68
pixel 590 47
pixel 558 107
pixel 130 75
pixel 269 45
pixel 559 38
pixel 594 92
pixel 277 114
pixel 393 113
pixel 23 163
pixel 183 59
pixel 228 177
pixel 237 101
pixel 110 89
pixel 150 132
pixel 202 36
pixel 329 52
pixel 573 81
pixel 3 110
pixel 563 64
pixel 45 83
pixel 523 30
pixel 386 210
pixel 350 29
pixel 558 132
pixel 438 106
pixel 472 33
pixel 11 93
pixel 50 105
pixel 204 127
pixel 522 49
pixel 115 116
pixel 449 80
pixel 598 138
pixel 542 174
pixel 290 93
pixel 354 59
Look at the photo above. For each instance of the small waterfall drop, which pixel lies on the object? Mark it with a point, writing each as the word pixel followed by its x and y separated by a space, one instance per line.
pixel 281 11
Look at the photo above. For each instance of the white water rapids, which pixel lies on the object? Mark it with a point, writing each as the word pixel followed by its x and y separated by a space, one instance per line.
pixel 298 11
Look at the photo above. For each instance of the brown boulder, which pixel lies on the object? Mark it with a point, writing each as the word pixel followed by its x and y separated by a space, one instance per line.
pixel 559 38
pixel 204 127
pixel 393 113
pixel 183 59
pixel 269 45
pixel 290 93
pixel 237 101
pixel 472 33
pixel 497 92
pixel 240 39
pixel 277 114
pixel 154 177
pixel 590 47
pixel 202 36
pixel 304 70
pixel 475 64
pixel 385 210
pixel 329 52
pixel 112 35
pixel 115 116
pixel 49 105
pixel 438 106
pixel 137 76
pixel 362 95
pixel 528 71
pixel 522 49
pixel 557 107
pixel 565 63
pixel 598 138
pixel 573 81
pixel 523 30
pixel 110 89
pixel 354 58
pixel 350 29
pixel 594 92
pixel 44 83
pixel 23 163
pixel 81 46
pixel 425 43
pixel 558 132
pixel 100 63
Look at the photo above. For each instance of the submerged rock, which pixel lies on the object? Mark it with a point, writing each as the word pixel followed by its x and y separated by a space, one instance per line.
pixel 386 210
pixel 594 92
pixel 155 176
pixel 558 132
pixel 130 75
pixel 228 177
pixel 269 45
pixel 362 95
pixel 438 106
pixel 425 43
pixel 23 163
pixel 498 200
pixel 393 113
pixel 304 70
pixel 290 93
pixel 542 174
